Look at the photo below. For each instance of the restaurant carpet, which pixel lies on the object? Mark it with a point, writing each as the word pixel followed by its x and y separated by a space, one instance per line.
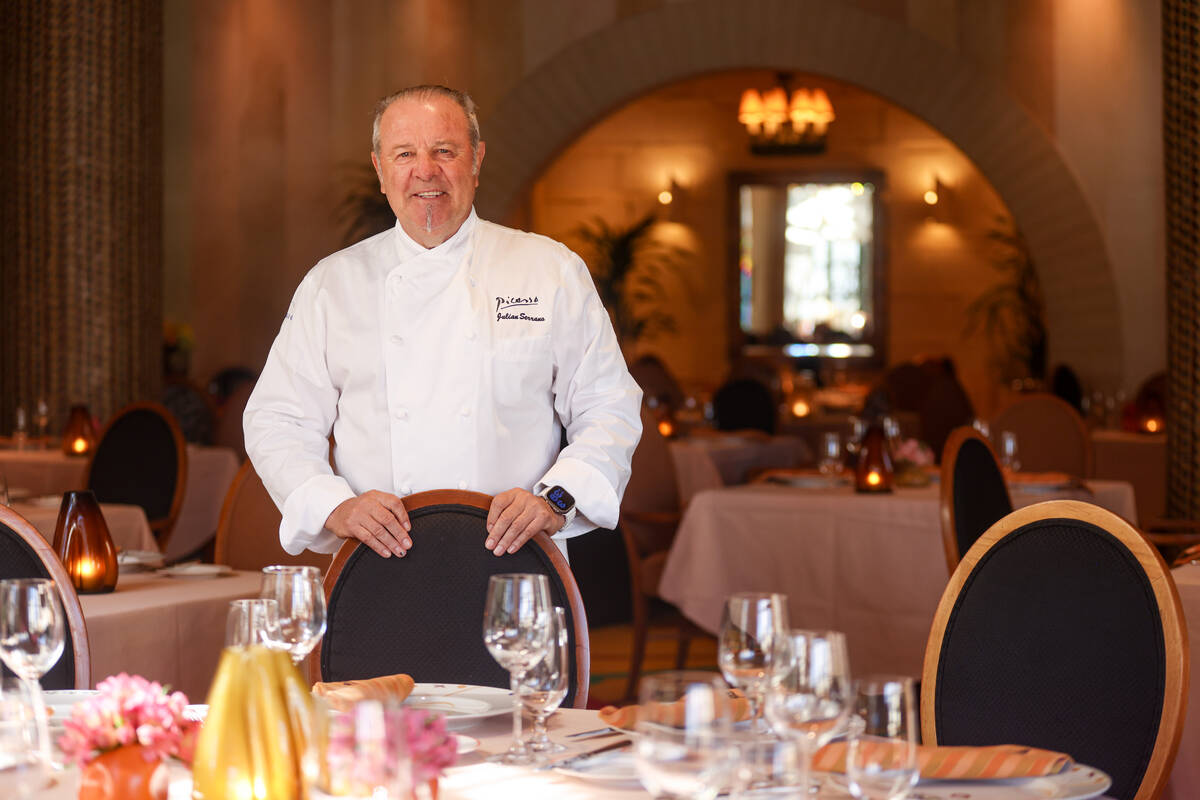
pixel 611 645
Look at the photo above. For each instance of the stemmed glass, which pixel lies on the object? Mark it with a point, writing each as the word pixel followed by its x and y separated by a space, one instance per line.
pixel 684 747
pixel 881 761
pixel 516 631
pixel 1008 451
pixel 248 621
pixel 32 639
pixel 544 685
pixel 298 620
pixel 750 625
pixel 810 692
pixel 41 418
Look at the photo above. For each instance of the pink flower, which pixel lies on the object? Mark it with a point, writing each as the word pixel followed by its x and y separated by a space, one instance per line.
pixel 913 452
pixel 423 733
pixel 128 710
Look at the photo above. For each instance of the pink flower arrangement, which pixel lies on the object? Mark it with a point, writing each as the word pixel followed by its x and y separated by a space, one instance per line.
pixel 363 754
pixel 913 452
pixel 129 710
pixel 429 746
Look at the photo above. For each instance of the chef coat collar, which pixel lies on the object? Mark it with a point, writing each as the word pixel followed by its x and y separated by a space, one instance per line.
pixel 452 250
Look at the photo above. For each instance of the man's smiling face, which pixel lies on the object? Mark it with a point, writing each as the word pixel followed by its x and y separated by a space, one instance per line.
pixel 426 167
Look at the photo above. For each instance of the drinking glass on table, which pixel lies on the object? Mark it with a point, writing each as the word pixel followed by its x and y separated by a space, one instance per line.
pixel 3 490
pixel 544 685
pixel 248 621
pixel 831 453
pixel 1008 452
pixel 41 418
pixel 32 637
pixel 809 696
pixel 23 771
pixel 298 622
pixel 881 760
pixel 516 631
pixel 684 745
pixel 751 623
pixel 20 428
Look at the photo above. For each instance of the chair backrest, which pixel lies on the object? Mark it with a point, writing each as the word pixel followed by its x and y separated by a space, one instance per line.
pixel 1062 629
pixel 25 554
pixel 944 407
pixel 974 495
pixel 423 614
pixel 745 403
pixel 1051 436
pixel 248 531
pixel 141 459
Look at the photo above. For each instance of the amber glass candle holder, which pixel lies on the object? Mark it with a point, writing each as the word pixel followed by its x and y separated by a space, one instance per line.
pixel 79 437
pixel 873 473
pixel 84 545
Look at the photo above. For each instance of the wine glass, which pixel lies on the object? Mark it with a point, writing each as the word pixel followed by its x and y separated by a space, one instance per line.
pixel 248 621
pixel 809 696
pixel 544 685
pixel 516 631
pixel 750 624
pixel 831 454
pixel 298 622
pixel 32 639
pixel 23 771
pixel 1008 452
pixel 684 745
pixel 41 418
pixel 881 761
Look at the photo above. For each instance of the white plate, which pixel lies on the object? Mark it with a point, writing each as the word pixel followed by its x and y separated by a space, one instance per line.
pixel 465 744
pixel 1077 783
pixel 615 768
pixel 135 560
pixel 196 711
pixel 460 702
pixel 197 571
pixel 810 481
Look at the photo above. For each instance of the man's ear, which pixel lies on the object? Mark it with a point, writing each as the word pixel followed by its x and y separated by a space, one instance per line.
pixel 478 160
pixel 378 173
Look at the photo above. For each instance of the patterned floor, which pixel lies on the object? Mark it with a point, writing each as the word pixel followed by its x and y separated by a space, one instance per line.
pixel 610 660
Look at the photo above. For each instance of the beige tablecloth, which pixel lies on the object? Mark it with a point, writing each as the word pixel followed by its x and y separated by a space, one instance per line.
pixel 1140 459
pixel 869 565
pixel 41 471
pixel 727 459
pixel 167 629
pixel 127 525
pixel 1185 777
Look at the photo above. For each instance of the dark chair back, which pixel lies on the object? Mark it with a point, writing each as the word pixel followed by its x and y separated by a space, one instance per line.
pixel 974 495
pixel 25 554
pixel 141 459
pixel 423 614
pixel 1061 629
pixel 248 531
pixel 744 404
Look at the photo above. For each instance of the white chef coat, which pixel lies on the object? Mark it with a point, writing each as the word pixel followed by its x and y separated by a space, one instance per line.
pixel 450 367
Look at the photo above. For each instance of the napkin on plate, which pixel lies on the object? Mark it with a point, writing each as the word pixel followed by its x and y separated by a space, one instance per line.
pixel 626 716
pixel 964 763
pixel 341 695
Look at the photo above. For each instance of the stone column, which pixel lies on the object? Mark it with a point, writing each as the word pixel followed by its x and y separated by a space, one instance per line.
pixel 81 205
pixel 1181 151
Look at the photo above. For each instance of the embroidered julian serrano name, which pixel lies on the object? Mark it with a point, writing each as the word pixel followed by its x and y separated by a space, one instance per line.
pixel 501 315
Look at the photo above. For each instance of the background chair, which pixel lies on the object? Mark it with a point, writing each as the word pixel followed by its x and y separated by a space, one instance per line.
pixel 25 554
pixel 248 531
pixel 1061 629
pixel 423 614
pixel 1051 436
pixel 141 459
pixel 744 404
pixel 974 495
pixel 192 408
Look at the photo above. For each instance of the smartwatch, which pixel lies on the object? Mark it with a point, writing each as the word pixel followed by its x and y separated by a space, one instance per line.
pixel 561 501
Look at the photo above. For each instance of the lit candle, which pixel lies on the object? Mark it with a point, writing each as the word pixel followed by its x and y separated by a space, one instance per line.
pixel 666 428
pixel 800 408
pixel 874 478
pixel 86 568
pixel 79 445
pixel 1152 425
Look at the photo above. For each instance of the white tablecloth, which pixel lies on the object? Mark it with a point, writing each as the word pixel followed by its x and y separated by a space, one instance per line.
pixel 127 525
pixel 727 459
pixel 1185 777
pixel 42 471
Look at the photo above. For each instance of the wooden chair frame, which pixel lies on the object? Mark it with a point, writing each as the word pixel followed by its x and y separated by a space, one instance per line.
pixel 539 540
pixel 225 524
pixel 1170 727
pixel 161 526
pixel 80 645
pixel 958 437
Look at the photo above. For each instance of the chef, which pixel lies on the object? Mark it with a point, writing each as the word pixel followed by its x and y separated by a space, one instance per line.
pixel 446 352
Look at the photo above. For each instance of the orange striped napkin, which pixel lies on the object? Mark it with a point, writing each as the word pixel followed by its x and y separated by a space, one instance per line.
pixel 626 716
pixel 963 763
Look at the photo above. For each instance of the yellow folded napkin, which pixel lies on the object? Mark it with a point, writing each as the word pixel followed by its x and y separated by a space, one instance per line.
pixel 342 695
pixel 626 716
pixel 963 763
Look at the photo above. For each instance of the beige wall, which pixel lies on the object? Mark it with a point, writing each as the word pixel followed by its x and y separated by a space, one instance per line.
pixel 269 99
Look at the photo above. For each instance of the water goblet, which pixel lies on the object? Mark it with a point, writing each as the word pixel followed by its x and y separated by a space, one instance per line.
pixel 831 453
pixel 684 747
pixel 299 619
pixel 248 621
pixel 881 760
pixel 751 622
pixel 544 685
pixel 516 631
pixel 808 699
pixel 3 489
pixel 1008 452
pixel 41 418
pixel 20 428
pixel 32 637
pixel 23 771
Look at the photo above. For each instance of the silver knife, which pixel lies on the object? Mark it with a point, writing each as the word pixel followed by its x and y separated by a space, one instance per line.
pixel 589 754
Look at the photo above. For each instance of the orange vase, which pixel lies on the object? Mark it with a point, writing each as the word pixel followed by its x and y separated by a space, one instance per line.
pixel 124 774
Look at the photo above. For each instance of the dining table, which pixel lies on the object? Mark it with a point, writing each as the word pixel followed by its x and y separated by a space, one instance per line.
pixel 714 459
pixel 1140 459
pixel 127 524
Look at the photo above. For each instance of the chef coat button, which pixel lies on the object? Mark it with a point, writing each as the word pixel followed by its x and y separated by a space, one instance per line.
pixel 400 413
pixel 462 484
pixel 405 490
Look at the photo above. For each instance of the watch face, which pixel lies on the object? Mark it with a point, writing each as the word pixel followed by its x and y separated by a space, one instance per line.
pixel 560 498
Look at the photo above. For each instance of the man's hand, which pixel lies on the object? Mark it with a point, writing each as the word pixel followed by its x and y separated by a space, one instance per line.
pixel 377 519
pixel 515 516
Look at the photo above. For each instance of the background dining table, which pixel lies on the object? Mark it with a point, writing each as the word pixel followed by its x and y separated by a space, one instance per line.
pixel 127 525
pixel 716 459
pixel 1140 459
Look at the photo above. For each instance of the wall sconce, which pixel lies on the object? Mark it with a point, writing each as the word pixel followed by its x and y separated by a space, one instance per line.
pixel 79 437
pixel 937 199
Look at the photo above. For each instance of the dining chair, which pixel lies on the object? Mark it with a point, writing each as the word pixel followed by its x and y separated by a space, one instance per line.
pixel 248 529
pixel 744 404
pixel 141 460
pixel 1061 629
pixel 973 493
pixel 423 614
pixel 25 554
pixel 1051 436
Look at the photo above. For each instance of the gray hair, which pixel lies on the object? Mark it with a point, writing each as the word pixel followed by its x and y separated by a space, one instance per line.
pixel 422 93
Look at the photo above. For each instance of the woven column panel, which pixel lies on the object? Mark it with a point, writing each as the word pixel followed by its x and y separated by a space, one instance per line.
pixel 1181 150
pixel 81 206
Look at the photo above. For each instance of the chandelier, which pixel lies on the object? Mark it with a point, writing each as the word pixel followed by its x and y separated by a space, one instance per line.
pixel 780 124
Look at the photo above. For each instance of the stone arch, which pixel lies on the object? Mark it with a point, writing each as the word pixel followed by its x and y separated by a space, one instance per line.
pixel 598 74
